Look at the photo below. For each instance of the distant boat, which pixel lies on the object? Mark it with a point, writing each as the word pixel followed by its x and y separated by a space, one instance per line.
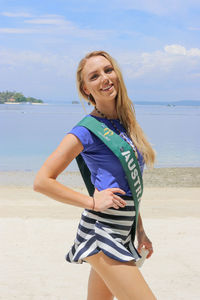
pixel 75 102
pixel 171 105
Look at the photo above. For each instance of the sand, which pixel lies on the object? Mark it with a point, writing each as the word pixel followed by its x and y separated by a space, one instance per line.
pixel 36 232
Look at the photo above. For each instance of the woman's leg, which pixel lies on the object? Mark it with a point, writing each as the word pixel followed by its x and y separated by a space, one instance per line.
pixel 97 289
pixel 124 280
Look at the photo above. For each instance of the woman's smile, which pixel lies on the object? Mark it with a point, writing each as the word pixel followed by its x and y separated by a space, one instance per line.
pixel 107 88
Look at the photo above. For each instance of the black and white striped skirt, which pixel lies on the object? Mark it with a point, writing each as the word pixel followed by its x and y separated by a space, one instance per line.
pixel 110 231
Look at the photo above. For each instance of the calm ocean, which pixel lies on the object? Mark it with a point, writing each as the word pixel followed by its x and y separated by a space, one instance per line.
pixel 29 133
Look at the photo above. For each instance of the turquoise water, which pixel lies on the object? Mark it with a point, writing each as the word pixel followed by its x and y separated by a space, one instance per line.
pixel 29 133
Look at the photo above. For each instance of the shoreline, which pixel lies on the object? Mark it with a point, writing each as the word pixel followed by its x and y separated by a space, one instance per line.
pixel 24 103
pixel 157 177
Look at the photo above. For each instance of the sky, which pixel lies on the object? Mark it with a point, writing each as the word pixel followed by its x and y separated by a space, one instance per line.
pixel 155 42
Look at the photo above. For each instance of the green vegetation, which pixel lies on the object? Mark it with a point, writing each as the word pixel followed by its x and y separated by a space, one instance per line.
pixel 14 97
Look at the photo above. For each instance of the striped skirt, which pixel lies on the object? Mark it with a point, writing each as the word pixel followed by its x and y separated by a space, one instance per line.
pixel 110 231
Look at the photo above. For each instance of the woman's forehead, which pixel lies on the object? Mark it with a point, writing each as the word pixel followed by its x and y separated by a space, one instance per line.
pixel 95 62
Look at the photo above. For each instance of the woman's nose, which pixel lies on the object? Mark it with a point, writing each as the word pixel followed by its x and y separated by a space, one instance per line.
pixel 105 77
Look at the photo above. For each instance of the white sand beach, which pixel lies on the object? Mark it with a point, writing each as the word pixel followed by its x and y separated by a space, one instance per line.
pixel 36 233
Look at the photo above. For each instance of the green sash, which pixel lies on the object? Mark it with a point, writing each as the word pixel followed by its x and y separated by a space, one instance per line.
pixel 124 153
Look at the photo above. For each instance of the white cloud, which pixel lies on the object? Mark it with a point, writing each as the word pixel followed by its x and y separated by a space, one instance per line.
pixel 16 14
pixel 194 28
pixel 18 30
pixel 60 65
pixel 174 60
pixel 180 50
pixel 194 52
pixel 175 49
pixel 47 21
pixel 158 7
pixel 57 25
pixel 44 74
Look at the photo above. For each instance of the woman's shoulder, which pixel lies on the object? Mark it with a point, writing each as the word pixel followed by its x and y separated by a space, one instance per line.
pixel 86 137
pixel 79 127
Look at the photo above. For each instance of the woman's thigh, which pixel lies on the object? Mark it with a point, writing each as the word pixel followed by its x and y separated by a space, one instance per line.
pixel 124 280
pixel 97 289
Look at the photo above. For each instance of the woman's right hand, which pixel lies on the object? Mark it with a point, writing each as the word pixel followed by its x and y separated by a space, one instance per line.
pixel 106 198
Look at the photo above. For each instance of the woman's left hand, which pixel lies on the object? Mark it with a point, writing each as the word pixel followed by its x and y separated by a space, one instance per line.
pixel 144 241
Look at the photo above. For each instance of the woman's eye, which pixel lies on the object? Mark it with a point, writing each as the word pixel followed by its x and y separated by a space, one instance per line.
pixel 109 70
pixel 93 77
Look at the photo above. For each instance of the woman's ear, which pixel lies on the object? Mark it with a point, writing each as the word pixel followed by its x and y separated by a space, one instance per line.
pixel 86 91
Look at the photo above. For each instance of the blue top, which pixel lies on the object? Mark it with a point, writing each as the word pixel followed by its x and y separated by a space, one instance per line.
pixel 106 169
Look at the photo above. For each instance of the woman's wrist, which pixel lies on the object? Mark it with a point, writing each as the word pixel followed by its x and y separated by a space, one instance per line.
pixel 93 207
pixel 91 203
pixel 140 229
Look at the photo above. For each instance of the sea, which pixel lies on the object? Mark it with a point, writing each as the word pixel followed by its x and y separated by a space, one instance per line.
pixel 29 133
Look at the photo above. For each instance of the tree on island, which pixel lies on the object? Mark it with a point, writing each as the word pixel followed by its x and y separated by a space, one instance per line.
pixel 14 97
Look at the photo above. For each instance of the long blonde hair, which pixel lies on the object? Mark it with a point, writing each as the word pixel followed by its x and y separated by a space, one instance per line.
pixel 124 107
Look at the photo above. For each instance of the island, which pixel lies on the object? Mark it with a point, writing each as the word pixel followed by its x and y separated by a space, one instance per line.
pixel 8 97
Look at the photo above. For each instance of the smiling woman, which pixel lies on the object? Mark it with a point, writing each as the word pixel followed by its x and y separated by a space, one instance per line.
pixel 101 81
pixel 111 147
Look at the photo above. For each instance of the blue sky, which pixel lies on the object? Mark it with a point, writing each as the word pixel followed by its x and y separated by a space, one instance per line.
pixel 156 43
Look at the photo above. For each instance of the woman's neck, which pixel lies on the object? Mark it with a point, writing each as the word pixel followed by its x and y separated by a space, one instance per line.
pixel 107 112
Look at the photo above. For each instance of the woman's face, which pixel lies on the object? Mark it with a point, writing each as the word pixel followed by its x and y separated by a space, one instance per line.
pixel 100 79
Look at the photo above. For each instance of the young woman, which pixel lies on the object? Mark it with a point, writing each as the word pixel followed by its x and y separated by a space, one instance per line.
pixel 104 238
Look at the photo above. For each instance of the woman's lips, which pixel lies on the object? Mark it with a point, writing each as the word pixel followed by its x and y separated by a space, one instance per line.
pixel 107 88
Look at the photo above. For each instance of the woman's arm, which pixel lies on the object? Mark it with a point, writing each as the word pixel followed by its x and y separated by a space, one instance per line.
pixel 140 227
pixel 143 240
pixel 45 181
